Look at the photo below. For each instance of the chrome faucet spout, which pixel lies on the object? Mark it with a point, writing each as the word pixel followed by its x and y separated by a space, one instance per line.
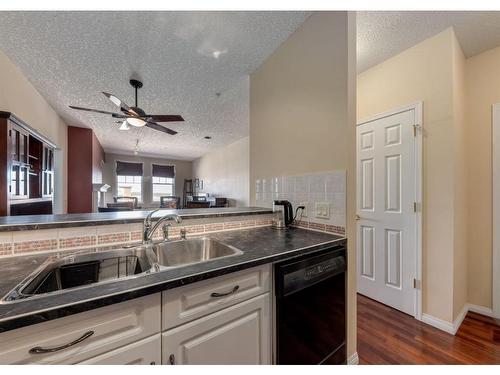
pixel 149 229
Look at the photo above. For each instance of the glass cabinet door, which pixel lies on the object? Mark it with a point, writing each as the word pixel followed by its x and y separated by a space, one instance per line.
pixel 23 148
pixel 19 182
pixel 19 158
pixel 48 172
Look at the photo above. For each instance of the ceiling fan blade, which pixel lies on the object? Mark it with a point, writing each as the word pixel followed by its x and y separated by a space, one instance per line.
pixel 164 118
pixel 155 126
pixel 97 111
pixel 120 103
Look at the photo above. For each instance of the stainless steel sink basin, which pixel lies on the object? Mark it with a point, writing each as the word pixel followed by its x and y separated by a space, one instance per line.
pixel 192 250
pixel 72 272
pixel 77 271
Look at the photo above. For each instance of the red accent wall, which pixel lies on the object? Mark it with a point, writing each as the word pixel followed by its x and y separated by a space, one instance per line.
pixel 84 167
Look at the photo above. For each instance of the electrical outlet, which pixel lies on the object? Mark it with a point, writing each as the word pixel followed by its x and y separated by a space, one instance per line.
pixel 305 211
pixel 323 210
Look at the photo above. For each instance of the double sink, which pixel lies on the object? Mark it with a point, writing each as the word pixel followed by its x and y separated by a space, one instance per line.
pixel 77 271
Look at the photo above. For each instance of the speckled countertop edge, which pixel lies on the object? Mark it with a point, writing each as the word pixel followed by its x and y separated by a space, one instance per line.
pixel 34 222
pixel 259 246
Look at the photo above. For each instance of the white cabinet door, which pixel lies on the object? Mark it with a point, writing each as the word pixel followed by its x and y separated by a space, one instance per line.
pixel 144 352
pixel 239 335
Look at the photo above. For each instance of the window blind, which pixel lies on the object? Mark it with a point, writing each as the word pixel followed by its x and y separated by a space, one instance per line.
pixel 128 169
pixel 163 171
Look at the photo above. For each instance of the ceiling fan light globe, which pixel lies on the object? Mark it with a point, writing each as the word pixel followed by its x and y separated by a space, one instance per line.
pixel 137 122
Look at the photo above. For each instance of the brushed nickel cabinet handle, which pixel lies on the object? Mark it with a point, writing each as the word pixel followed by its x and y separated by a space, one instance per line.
pixel 40 350
pixel 218 295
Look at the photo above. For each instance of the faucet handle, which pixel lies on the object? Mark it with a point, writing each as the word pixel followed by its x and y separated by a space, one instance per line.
pixel 165 229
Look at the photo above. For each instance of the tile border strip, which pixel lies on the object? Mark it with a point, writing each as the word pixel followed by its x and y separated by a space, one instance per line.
pixel 113 240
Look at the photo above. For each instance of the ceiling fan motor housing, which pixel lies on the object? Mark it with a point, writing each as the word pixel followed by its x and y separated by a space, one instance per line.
pixel 135 83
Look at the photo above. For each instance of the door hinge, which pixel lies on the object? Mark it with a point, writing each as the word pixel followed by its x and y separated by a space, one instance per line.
pixel 415 129
pixel 414 283
pixel 414 206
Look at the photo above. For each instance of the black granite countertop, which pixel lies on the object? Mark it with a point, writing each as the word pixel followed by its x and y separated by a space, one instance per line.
pixel 30 222
pixel 259 246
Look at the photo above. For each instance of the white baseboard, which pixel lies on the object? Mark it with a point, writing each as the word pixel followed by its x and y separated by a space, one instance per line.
pixel 486 311
pixel 443 325
pixel 460 318
pixel 353 359
pixel 452 328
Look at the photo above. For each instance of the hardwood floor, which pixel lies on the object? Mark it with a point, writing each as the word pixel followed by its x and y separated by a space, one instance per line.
pixel 388 336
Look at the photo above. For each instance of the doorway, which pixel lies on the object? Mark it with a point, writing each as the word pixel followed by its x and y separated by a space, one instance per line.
pixel 389 201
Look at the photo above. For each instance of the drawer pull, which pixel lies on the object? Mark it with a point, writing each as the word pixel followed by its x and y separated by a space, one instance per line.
pixel 218 295
pixel 40 350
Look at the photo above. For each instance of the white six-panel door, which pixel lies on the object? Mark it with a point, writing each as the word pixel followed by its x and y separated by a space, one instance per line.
pixel 385 205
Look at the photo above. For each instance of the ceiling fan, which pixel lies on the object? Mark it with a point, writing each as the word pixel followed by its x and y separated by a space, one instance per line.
pixel 135 116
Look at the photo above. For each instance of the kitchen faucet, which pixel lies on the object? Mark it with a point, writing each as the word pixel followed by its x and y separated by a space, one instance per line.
pixel 148 228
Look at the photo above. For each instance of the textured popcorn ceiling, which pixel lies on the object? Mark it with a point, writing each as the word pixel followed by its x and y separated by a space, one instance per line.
pixel 381 35
pixel 183 58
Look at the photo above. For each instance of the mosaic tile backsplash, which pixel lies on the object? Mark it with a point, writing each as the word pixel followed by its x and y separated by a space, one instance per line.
pixel 325 188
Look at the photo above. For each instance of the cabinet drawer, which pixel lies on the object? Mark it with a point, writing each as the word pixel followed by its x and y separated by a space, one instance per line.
pixel 181 305
pixel 144 352
pixel 237 335
pixel 112 326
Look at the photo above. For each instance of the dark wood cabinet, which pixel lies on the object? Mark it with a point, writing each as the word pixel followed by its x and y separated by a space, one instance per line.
pixel 85 160
pixel 27 185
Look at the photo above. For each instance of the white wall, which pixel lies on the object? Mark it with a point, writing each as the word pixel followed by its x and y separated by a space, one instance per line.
pixel 431 71
pixel 17 95
pixel 482 90
pixel 225 172
pixel 183 170
pixel 302 116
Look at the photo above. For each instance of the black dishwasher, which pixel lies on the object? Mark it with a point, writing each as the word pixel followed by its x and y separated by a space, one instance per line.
pixel 310 305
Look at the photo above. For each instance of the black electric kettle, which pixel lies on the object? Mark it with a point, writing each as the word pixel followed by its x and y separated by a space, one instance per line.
pixel 283 217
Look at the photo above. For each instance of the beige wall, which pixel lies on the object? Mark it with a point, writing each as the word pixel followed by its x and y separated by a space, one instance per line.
pixel 18 96
pixel 183 170
pixel 302 115
pixel 425 73
pixel 225 172
pixel 460 193
pixel 483 90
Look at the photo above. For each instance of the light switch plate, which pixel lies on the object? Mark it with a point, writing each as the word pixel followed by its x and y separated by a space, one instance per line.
pixel 323 210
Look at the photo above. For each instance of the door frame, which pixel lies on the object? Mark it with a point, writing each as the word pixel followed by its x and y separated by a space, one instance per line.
pixel 417 107
pixel 495 165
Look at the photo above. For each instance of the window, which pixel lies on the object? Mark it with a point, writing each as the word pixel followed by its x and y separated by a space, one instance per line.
pixel 163 181
pixel 129 179
pixel 130 186
pixel 162 186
